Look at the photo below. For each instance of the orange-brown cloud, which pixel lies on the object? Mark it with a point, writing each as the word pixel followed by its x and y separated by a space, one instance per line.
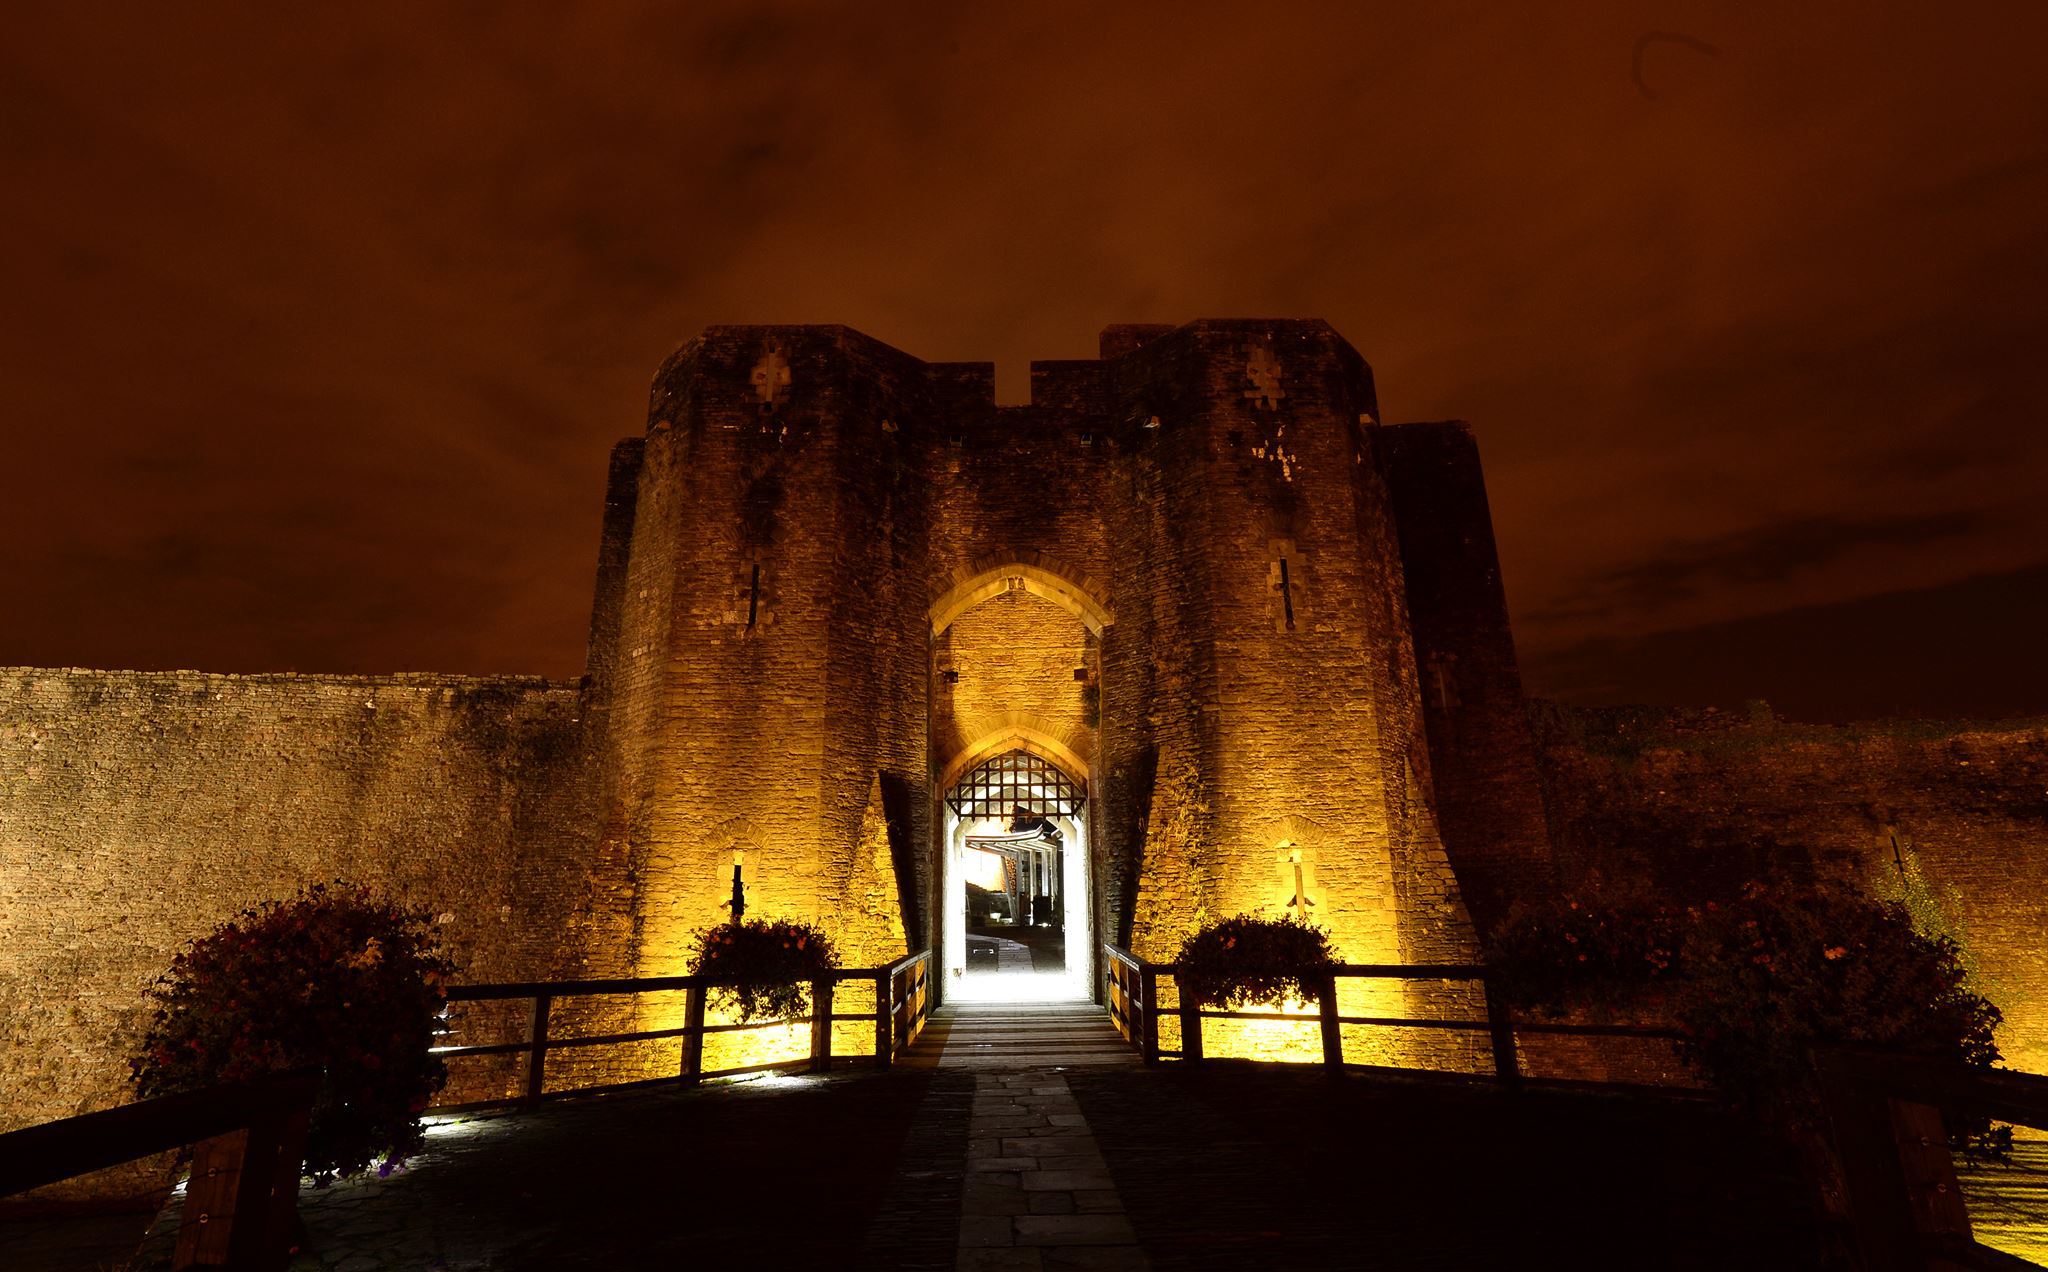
pixel 320 324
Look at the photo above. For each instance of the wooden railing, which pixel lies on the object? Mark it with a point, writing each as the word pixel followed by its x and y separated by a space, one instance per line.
pixel 1128 990
pixel 902 1001
pixel 248 1141
pixel 1131 991
pixel 1890 1115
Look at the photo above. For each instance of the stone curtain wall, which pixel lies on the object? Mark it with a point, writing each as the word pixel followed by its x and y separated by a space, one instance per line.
pixel 1952 818
pixel 140 810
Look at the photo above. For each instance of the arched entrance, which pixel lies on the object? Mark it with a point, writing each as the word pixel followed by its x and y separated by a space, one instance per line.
pixel 1015 699
pixel 1015 881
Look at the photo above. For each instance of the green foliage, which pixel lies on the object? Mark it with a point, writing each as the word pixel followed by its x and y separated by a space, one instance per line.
pixel 332 978
pixel 1250 961
pixel 770 963
pixel 1935 908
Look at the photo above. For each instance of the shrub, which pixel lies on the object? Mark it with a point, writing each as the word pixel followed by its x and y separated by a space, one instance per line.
pixel 1554 957
pixel 1251 961
pixel 1754 983
pixel 331 978
pixel 770 961
pixel 1784 967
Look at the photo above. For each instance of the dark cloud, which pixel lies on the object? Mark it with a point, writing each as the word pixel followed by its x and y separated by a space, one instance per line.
pixel 1771 553
pixel 342 309
pixel 1970 648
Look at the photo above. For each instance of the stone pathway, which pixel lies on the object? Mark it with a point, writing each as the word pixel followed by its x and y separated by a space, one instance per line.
pixel 1038 1195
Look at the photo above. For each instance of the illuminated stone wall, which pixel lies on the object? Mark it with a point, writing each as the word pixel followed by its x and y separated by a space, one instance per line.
pixel 140 810
pixel 817 529
pixel 1208 523
pixel 1689 804
pixel 1006 666
pixel 831 575
pixel 765 698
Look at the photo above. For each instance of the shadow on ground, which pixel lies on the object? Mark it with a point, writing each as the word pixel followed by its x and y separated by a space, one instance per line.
pixel 1232 1167
pixel 1226 1167
pixel 778 1173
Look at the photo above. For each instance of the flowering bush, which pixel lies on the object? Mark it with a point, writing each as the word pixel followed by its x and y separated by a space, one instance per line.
pixel 1756 981
pixel 331 978
pixel 1250 961
pixel 770 961
pixel 1552 958
pixel 1784 967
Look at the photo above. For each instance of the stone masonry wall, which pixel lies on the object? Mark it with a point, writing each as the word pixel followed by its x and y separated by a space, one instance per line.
pixel 1481 757
pixel 769 699
pixel 1301 742
pixel 807 499
pixel 1689 804
pixel 138 810
pixel 1012 660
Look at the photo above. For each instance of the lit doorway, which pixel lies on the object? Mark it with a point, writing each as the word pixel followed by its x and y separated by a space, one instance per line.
pixel 1016 882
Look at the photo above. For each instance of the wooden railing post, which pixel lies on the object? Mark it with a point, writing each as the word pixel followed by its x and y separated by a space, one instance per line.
pixel 1333 1033
pixel 213 1201
pixel 885 1016
pixel 1148 986
pixel 1500 1027
pixel 1864 1140
pixel 693 1041
pixel 288 1162
pixel 244 1195
pixel 1113 996
pixel 902 1009
pixel 1190 1020
pixel 537 1051
pixel 821 1025
pixel 920 993
pixel 914 989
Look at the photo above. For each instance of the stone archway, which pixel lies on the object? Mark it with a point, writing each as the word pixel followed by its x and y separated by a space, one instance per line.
pixel 1033 572
pixel 1016 661
pixel 1019 733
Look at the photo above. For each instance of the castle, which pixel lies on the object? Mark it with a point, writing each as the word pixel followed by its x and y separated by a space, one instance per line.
pixel 1241 646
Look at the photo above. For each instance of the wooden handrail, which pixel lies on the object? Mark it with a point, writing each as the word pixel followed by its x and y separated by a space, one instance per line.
pixel 1129 992
pixel 39 1155
pixel 248 1143
pixel 1885 1113
pixel 902 1004
pixel 636 984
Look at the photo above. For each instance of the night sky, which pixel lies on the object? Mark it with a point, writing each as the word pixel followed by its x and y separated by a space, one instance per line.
pixel 318 327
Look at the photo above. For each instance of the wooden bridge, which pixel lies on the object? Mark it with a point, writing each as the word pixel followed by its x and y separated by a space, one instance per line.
pixel 1080 1132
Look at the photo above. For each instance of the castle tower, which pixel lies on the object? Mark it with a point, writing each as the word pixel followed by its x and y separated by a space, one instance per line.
pixel 764 686
pixel 1298 733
